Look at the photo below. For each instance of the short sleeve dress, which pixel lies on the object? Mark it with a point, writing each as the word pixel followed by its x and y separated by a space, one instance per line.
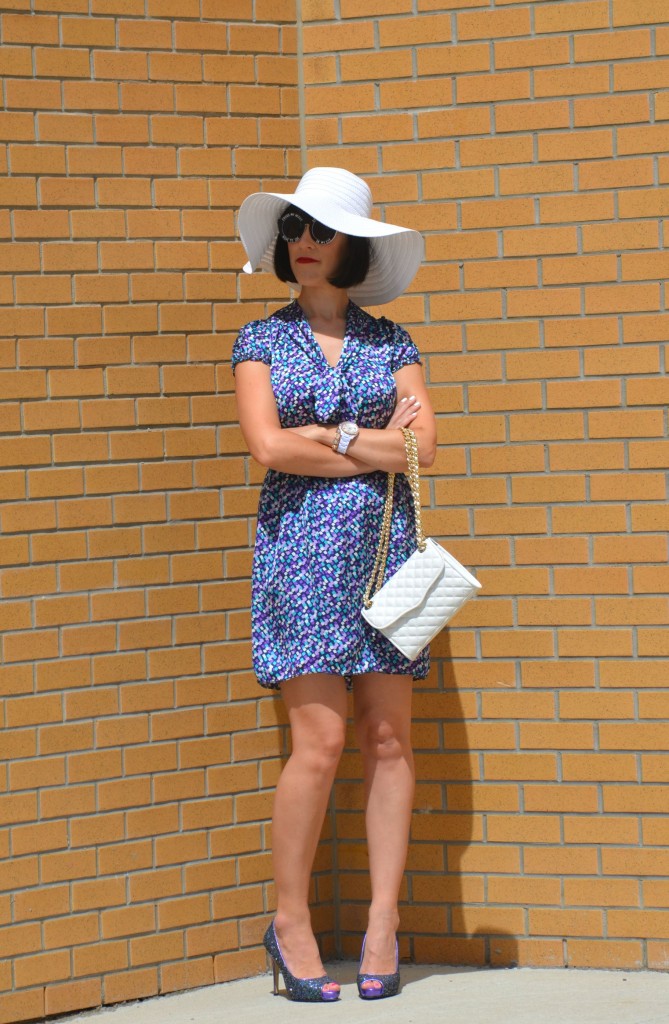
pixel 317 536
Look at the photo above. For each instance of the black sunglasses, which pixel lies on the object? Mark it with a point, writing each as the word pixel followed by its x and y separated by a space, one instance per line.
pixel 293 222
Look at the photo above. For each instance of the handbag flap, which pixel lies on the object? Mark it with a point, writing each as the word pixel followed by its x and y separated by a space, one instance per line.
pixel 407 589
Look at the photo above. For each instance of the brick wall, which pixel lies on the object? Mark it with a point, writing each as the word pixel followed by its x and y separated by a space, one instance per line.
pixel 523 139
pixel 529 142
pixel 130 132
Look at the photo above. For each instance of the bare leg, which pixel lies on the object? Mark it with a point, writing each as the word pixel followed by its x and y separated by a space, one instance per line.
pixel 316 706
pixel 383 729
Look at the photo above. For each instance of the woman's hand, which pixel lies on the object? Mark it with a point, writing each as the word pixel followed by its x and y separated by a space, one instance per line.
pixel 404 414
pixel 307 450
pixel 304 451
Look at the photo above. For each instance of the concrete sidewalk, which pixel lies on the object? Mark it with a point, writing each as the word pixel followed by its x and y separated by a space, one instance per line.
pixel 430 995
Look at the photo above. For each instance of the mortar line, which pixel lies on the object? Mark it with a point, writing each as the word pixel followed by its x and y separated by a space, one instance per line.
pixel 299 25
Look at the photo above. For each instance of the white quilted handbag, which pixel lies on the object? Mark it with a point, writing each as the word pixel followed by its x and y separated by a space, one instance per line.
pixel 426 591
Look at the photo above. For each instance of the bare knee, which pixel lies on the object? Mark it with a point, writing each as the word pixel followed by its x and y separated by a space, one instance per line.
pixel 329 746
pixel 381 740
pixel 320 752
pixel 316 705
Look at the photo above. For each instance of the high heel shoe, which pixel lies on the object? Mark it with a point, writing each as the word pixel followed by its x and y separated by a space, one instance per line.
pixel 388 984
pixel 301 990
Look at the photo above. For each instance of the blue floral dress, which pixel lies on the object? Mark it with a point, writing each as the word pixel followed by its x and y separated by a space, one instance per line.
pixel 317 536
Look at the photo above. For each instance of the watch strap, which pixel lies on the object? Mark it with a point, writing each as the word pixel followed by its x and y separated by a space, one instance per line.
pixel 344 442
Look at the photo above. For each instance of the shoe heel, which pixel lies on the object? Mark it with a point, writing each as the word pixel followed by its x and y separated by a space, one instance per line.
pixel 303 990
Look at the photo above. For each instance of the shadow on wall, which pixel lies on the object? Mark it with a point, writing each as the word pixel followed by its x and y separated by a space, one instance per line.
pixel 443 901
pixel 451 826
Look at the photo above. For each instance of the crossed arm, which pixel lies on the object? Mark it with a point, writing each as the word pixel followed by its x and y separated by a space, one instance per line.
pixel 307 450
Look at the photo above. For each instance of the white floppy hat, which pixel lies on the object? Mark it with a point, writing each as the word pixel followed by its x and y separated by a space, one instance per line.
pixel 343 201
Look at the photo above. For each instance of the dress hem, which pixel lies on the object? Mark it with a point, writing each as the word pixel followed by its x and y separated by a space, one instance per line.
pixel 275 684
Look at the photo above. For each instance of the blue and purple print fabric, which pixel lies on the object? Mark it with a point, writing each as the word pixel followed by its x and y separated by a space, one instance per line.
pixel 317 537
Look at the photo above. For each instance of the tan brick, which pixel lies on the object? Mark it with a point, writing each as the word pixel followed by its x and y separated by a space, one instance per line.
pixel 493 24
pixel 642 139
pixel 45 902
pixel 626 12
pixel 530 829
pixel 555 178
pixel 118 128
pixel 20 28
pixel 23 1005
pixel 19 127
pixel 16 60
pixel 37 160
pixel 577 145
pixel 531 52
pixel 127 921
pixel 320 100
pixel 473 121
pixel 610 110
pixel 120 66
pixel 557 209
pixel 190 974
pixel 378 127
pixel 20 582
pixel 520 766
pixel 618 174
pixel 71 996
pixel 509 85
pixel 559 922
pixel 502 860
pixel 593 643
pixel 612 45
pixel 185 661
pixel 606 954
pixel 603 768
pixel 62 62
pixel 571 81
pixel 100 957
pixel 57 867
pixel 627 423
pixel 182 784
pixel 360 67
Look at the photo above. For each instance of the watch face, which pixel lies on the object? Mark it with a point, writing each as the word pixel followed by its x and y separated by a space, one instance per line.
pixel 349 428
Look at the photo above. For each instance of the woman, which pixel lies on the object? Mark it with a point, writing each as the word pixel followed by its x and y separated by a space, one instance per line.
pixel 322 390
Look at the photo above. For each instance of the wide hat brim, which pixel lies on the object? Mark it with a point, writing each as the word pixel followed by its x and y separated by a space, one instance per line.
pixel 339 199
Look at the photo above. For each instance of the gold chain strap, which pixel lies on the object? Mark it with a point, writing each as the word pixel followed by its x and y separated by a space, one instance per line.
pixel 376 579
pixel 378 572
pixel 411 446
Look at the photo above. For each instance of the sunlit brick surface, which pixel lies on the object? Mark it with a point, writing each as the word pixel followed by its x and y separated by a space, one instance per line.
pixel 529 142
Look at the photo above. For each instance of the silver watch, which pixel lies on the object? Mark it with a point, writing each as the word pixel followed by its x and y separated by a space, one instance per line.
pixel 346 432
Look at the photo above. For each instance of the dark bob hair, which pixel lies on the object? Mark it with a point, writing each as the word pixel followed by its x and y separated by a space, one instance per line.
pixel 352 269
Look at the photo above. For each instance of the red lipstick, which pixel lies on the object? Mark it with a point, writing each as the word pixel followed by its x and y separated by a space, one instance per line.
pixel 305 259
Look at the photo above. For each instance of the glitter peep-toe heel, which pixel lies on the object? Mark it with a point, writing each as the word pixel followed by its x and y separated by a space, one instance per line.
pixel 388 984
pixel 300 990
